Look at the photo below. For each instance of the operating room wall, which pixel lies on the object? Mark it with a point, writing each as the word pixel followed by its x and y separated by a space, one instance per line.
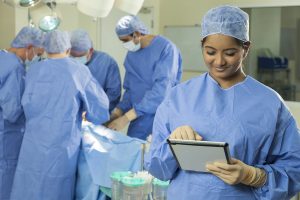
pixel 7 24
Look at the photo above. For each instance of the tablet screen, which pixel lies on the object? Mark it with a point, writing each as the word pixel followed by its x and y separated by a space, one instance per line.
pixel 194 155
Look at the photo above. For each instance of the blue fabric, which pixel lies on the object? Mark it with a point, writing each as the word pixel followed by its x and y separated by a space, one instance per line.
pixel 57 41
pixel 57 92
pixel 28 36
pixel 226 20
pixel 81 41
pixel 101 154
pixel 12 120
pixel 261 133
pixel 150 73
pixel 129 24
pixel 106 71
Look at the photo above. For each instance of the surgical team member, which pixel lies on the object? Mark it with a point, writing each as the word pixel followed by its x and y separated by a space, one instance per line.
pixel 12 72
pixel 153 67
pixel 229 106
pixel 102 66
pixel 57 91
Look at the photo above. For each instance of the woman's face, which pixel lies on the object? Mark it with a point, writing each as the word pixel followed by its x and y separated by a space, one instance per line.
pixel 223 55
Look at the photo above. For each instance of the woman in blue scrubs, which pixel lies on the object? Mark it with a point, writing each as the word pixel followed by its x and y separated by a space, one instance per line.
pixel 227 105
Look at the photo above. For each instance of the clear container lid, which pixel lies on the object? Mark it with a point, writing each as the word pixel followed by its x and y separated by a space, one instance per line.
pixel 160 183
pixel 132 181
pixel 117 176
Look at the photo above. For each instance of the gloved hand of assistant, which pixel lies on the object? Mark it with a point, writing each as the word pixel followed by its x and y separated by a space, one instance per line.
pixel 185 133
pixel 238 172
pixel 121 122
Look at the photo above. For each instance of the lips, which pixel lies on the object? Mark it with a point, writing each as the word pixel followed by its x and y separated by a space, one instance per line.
pixel 220 69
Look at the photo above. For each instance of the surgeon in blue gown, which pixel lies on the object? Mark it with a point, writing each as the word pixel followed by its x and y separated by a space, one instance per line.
pixel 102 66
pixel 153 67
pixel 227 105
pixel 12 72
pixel 57 91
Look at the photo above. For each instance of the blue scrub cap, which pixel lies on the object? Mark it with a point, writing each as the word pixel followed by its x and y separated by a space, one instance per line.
pixel 80 41
pixel 57 41
pixel 226 20
pixel 28 36
pixel 129 24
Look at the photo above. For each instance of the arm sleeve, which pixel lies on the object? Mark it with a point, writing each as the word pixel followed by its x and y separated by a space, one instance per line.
pixel 159 161
pixel 113 86
pixel 283 162
pixel 125 103
pixel 11 91
pixel 165 76
pixel 96 103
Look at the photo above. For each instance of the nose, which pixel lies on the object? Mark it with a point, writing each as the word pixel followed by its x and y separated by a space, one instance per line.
pixel 219 60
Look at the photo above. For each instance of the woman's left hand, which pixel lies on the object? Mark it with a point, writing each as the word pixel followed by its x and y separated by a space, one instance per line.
pixel 233 173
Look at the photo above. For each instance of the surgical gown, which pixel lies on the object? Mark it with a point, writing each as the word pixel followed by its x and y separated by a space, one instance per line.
pixel 12 121
pixel 249 116
pixel 57 92
pixel 106 71
pixel 150 73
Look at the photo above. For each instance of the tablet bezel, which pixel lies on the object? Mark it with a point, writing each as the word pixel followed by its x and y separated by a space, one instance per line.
pixel 223 145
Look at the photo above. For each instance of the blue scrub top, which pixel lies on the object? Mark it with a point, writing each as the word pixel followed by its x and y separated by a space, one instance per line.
pixel 57 92
pixel 150 73
pixel 12 120
pixel 106 71
pixel 249 116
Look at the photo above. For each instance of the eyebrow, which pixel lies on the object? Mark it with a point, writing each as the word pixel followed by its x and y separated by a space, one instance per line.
pixel 223 50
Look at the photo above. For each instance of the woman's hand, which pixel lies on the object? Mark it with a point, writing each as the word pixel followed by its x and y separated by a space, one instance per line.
pixel 237 172
pixel 185 133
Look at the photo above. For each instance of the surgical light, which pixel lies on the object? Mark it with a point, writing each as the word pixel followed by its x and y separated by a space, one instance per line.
pixel 49 23
pixel 29 3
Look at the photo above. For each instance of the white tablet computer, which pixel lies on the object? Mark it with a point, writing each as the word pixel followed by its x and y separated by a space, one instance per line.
pixel 193 155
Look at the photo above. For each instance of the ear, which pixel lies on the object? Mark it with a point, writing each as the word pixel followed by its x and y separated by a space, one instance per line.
pixel 246 47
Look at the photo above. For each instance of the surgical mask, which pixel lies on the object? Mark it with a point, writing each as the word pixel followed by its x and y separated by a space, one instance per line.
pixel 81 59
pixel 131 46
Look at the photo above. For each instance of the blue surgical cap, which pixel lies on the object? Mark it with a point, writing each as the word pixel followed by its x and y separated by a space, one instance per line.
pixel 57 42
pixel 129 24
pixel 28 36
pixel 81 41
pixel 226 20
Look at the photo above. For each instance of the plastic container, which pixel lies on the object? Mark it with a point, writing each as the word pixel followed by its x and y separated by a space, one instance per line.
pixel 116 187
pixel 159 189
pixel 133 188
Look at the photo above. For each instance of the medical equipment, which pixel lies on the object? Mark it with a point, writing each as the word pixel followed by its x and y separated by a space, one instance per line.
pixel 159 189
pixel 130 6
pixel 28 3
pixel 50 22
pixel 116 178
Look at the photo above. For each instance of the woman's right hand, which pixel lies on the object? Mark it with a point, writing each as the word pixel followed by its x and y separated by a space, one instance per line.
pixel 185 133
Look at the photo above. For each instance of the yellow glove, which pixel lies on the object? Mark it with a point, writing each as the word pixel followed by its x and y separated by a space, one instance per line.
pixel 185 133
pixel 117 112
pixel 238 172
pixel 119 123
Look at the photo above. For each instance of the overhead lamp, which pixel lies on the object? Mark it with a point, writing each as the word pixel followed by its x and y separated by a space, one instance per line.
pixel 129 6
pixel 95 8
pixel 28 3
pixel 49 23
